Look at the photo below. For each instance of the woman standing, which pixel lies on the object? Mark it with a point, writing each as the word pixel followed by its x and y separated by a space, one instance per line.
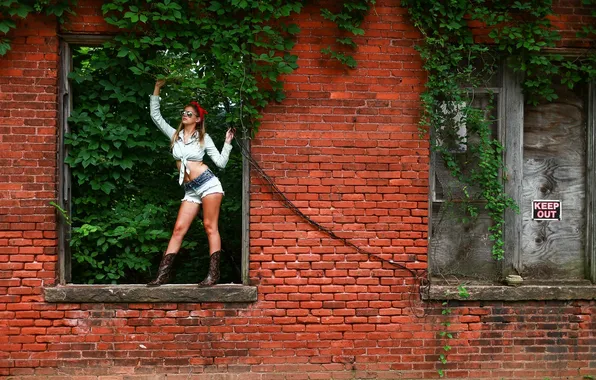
pixel 189 144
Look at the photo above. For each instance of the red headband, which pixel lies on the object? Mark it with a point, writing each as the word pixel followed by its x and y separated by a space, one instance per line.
pixel 199 108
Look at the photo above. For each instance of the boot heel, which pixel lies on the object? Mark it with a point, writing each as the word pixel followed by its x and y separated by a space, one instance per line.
pixel 164 271
pixel 213 275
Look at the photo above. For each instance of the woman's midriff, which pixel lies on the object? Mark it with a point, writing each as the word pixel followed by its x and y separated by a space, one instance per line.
pixel 196 168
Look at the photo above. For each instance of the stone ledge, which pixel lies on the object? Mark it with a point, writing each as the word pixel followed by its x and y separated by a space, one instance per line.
pixel 143 294
pixel 513 293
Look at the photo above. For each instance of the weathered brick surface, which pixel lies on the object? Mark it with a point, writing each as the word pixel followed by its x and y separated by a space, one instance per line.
pixel 344 147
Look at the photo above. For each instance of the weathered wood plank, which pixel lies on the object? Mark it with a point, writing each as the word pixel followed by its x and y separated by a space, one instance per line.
pixel 245 210
pixel 555 168
pixel 591 185
pixel 64 184
pixel 512 112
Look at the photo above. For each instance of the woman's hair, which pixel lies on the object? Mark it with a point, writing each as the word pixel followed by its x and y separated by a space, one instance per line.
pixel 200 125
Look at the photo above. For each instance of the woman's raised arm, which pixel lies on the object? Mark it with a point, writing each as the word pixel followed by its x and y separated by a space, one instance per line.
pixel 155 112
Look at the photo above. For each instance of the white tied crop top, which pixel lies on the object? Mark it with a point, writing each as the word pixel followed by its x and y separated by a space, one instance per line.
pixel 192 150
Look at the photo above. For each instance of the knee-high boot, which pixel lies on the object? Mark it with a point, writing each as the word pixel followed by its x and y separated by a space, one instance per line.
pixel 164 271
pixel 213 275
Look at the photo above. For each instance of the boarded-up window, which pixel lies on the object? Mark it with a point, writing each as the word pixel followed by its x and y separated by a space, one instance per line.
pixel 549 156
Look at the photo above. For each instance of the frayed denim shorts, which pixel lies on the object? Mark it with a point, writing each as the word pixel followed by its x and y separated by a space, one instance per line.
pixel 205 184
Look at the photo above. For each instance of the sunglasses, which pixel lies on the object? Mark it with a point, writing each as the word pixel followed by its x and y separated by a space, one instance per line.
pixel 187 113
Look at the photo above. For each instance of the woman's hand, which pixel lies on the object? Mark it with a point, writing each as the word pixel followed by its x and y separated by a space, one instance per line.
pixel 158 85
pixel 230 135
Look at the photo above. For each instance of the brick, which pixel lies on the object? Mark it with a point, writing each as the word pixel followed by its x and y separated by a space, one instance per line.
pixel 344 147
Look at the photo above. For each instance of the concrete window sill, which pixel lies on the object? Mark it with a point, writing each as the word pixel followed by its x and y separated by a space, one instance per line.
pixel 525 292
pixel 222 293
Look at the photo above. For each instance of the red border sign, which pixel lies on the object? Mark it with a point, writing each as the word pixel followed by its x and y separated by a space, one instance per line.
pixel 546 210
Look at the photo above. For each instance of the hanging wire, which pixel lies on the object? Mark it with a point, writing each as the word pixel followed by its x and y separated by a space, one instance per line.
pixel 420 276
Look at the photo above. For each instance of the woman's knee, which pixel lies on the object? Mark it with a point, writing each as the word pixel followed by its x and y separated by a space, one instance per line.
pixel 180 230
pixel 211 227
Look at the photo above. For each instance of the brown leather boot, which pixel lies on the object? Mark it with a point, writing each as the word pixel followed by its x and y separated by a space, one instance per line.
pixel 164 271
pixel 213 275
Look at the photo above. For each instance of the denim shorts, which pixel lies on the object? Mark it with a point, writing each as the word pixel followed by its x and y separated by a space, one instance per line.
pixel 205 184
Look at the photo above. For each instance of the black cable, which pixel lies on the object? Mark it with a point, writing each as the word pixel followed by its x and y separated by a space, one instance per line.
pixel 420 279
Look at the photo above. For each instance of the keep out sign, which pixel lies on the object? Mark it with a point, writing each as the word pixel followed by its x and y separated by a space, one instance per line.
pixel 546 210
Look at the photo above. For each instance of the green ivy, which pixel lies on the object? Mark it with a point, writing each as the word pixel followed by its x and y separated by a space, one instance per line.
pixel 120 219
pixel 348 20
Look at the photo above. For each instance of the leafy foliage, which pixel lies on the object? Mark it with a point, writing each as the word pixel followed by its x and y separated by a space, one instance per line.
pixel 348 20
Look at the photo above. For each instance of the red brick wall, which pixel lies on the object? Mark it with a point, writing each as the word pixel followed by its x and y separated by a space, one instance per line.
pixel 28 113
pixel 344 147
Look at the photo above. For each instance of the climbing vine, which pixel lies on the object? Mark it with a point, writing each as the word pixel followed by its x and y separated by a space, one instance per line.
pixel 445 333
pixel 348 20
pixel 459 63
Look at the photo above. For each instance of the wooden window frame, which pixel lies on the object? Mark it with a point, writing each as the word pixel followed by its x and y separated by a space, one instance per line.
pixel 65 291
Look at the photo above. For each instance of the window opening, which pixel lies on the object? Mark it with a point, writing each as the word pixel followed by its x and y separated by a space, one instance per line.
pixel 118 181
pixel 460 244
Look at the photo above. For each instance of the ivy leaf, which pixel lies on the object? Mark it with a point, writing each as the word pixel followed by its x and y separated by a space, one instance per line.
pixel 123 52
pixel 293 29
pixel 215 6
pixel 22 11
pixel 6 25
pixel 107 187
pixel 135 70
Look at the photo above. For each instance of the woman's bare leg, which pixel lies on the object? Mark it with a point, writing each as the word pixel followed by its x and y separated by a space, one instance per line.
pixel 188 211
pixel 186 214
pixel 211 204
